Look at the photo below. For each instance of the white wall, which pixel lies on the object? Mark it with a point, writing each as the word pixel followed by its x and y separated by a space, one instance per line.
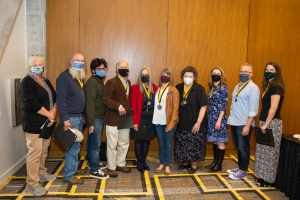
pixel 13 60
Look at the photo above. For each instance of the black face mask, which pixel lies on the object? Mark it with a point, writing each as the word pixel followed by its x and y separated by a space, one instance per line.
pixel 123 72
pixel 215 77
pixel 145 78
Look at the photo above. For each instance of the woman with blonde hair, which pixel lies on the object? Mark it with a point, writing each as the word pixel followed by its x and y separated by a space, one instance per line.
pixel 217 121
pixel 165 118
pixel 142 102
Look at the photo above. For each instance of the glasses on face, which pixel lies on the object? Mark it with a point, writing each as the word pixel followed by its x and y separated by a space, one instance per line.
pixel 270 70
pixel 245 72
pixel 79 60
pixel 165 74
pixel 100 69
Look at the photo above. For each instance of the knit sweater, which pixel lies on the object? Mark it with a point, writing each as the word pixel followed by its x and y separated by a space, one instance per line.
pixel 70 96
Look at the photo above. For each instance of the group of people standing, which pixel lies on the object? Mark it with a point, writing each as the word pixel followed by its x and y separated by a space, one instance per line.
pixel 184 111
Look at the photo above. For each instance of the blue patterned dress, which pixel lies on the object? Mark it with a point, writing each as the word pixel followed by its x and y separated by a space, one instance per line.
pixel 217 103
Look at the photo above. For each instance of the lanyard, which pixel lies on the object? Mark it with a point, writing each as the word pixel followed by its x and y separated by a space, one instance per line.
pixel 212 91
pixel 125 85
pixel 148 92
pixel 262 96
pixel 186 92
pixel 80 82
pixel 160 93
pixel 241 88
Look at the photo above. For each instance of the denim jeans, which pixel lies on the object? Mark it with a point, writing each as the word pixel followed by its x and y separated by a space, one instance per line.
pixel 243 146
pixel 165 140
pixel 94 143
pixel 71 156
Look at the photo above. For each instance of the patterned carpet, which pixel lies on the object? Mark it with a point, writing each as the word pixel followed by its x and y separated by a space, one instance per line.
pixel 148 186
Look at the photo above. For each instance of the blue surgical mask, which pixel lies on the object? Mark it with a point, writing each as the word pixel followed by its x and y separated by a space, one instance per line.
pixel 38 70
pixel 244 77
pixel 101 73
pixel 78 65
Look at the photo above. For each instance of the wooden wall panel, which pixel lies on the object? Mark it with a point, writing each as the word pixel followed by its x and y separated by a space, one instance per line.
pixel 206 34
pixel 62 42
pixel 274 36
pixel 133 30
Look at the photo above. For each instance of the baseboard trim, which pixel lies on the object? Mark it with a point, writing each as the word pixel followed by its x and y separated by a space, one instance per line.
pixel 12 170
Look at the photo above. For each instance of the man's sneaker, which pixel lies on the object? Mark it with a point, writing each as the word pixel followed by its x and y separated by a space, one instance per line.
pixel 36 191
pixel 238 175
pixel 74 181
pixel 48 177
pixel 233 171
pixel 102 166
pixel 99 174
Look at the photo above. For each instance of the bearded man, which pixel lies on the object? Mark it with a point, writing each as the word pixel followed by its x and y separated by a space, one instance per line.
pixel 70 100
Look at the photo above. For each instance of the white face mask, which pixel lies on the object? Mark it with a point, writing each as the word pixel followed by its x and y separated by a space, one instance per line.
pixel 188 80
pixel 38 70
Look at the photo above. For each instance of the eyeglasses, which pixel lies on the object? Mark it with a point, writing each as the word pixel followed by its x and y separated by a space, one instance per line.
pixel 245 72
pixel 100 69
pixel 79 60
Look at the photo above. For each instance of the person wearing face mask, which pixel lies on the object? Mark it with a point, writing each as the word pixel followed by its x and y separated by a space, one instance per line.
pixel 266 157
pixel 71 105
pixel 217 122
pixel 117 99
pixel 165 118
pixel 243 109
pixel 38 104
pixel 190 136
pixel 142 103
pixel 95 111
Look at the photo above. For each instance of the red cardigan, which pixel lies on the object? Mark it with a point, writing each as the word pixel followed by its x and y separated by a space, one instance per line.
pixel 136 100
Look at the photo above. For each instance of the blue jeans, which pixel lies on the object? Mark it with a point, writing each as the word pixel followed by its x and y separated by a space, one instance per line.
pixel 94 143
pixel 71 156
pixel 165 144
pixel 243 146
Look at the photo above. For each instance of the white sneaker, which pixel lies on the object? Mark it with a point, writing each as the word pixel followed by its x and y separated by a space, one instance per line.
pixel 36 191
pixel 99 174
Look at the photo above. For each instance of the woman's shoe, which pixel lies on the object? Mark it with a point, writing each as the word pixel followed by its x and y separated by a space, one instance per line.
pixel 141 170
pixel 167 171
pixel 146 167
pixel 160 168
pixel 192 170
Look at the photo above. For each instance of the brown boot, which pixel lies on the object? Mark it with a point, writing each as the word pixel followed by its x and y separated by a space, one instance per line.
pixel 80 171
pixel 112 173
pixel 74 181
pixel 123 169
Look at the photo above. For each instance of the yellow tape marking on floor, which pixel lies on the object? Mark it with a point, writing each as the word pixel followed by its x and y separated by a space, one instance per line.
pixel 148 183
pixel 229 187
pixel 6 182
pixel 200 183
pixel 257 188
pixel 102 188
pixel 158 187
pixel 48 185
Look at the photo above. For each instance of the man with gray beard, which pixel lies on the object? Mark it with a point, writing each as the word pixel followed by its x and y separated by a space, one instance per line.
pixel 70 100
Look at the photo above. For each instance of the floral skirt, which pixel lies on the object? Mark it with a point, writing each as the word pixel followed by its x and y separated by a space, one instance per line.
pixel 189 146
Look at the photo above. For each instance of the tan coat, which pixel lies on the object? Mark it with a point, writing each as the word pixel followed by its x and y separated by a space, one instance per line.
pixel 172 104
pixel 114 96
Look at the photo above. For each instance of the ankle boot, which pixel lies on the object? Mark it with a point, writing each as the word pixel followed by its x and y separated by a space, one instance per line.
pixel 219 162
pixel 139 165
pixel 215 149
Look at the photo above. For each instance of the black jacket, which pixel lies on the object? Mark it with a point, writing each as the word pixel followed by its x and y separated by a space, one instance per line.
pixel 33 97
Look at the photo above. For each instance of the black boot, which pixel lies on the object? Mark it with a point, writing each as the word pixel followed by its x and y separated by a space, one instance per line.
pixel 145 152
pixel 220 158
pixel 139 153
pixel 215 149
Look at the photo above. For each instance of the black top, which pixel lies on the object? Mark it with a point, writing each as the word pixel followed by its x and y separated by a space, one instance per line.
pixel 147 114
pixel 188 114
pixel 266 102
pixel 33 98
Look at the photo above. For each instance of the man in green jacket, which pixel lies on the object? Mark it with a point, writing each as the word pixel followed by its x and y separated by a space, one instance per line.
pixel 95 115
